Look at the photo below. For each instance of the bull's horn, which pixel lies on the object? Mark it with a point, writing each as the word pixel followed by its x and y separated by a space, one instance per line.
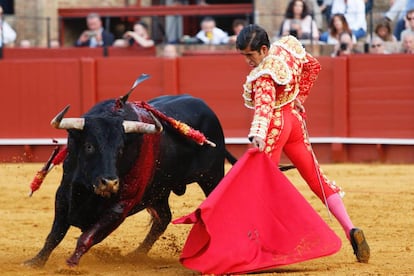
pixel 67 123
pixel 139 127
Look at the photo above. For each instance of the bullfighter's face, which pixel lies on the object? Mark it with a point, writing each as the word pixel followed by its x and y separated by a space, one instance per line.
pixel 254 58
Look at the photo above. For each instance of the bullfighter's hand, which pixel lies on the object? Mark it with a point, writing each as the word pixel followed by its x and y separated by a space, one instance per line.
pixel 258 143
pixel 300 108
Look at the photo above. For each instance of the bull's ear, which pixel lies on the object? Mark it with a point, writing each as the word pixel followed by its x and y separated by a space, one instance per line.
pixel 135 84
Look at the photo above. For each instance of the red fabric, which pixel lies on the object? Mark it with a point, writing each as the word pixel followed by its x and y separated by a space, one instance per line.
pixel 254 220
pixel 140 175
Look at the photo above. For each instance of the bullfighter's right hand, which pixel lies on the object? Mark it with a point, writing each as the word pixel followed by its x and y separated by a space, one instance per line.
pixel 258 143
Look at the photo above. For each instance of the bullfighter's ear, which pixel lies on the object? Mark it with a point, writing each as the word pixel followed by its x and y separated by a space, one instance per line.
pixel 137 81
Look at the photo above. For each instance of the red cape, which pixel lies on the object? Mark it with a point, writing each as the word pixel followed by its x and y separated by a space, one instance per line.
pixel 255 219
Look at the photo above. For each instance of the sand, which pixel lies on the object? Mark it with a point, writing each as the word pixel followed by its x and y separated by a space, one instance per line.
pixel 379 199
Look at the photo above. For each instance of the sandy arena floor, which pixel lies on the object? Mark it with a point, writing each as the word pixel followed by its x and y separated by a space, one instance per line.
pixel 379 199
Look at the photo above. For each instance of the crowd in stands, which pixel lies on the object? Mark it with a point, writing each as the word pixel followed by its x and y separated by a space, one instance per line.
pixel 339 23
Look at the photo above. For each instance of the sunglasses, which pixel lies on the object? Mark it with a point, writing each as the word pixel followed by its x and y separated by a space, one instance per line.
pixel 376 45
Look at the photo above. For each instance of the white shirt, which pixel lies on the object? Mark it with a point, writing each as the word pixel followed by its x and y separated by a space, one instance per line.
pixel 7 34
pixel 307 24
pixel 354 12
pixel 218 37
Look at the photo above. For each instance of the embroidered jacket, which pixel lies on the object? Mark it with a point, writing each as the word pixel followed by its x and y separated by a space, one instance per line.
pixel 285 74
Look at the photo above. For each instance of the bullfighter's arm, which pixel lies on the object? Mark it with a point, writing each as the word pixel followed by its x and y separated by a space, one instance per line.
pixel 310 73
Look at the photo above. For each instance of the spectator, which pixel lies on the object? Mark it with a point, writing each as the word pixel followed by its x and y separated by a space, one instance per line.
pixel 337 25
pixel 396 10
pixel 409 25
pixel 403 6
pixel 95 35
pixel 326 8
pixel 25 43
pixel 139 36
pixel 369 4
pixel 237 26
pixel 383 30
pixel 7 34
pixel 354 12
pixel 408 43
pixel 298 21
pixel 54 43
pixel 377 46
pixel 170 51
pixel 210 34
pixel 315 12
pixel 345 45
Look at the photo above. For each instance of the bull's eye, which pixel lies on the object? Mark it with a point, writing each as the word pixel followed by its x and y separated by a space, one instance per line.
pixel 89 148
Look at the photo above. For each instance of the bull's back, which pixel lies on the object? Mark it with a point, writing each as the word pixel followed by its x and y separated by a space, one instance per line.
pixel 190 110
pixel 183 158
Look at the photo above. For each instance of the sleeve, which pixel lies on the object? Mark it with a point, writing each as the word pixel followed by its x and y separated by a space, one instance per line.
pixel 9 35
pixel 309 75
pixel 264 100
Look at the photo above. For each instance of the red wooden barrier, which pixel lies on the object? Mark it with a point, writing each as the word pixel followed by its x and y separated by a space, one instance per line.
pixel 75 52
pixel 355 97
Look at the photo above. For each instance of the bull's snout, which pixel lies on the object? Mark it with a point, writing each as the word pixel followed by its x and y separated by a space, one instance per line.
pixel 106 187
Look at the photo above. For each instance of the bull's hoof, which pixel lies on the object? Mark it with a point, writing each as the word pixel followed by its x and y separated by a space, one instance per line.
pixel 72 262
pixel 34 263
pixel 138 253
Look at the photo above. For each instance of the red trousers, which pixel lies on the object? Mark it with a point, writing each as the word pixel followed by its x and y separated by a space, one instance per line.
pixel 287 132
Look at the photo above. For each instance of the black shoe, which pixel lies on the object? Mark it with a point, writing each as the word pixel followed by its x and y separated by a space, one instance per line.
pixel 360 245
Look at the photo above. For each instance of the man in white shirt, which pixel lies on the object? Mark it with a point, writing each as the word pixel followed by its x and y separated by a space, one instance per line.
pixel 7 34
pixel 210 34
pixel 354 12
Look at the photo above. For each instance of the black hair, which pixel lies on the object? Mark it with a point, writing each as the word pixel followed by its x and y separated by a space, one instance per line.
pixel 143 24
pixel 289 9
pixel 254 36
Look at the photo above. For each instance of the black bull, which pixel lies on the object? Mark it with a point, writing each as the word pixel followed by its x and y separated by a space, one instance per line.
pixel 110 174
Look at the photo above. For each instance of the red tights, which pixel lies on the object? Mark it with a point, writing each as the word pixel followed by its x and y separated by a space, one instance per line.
pixel 287 132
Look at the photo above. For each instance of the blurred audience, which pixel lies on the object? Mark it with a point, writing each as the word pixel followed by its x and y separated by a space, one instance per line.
pixel 409 25
pixel 25 43
pixel 237 26
pixel 7 34
pixel 170 51
pixel 337 25
pixel 139 36
pixel 326 7
pixel 210 34
pixel 345 45
pixel 377 46
pixel 54 43
pixel 383 30
pixel 95 35
pixel 396 10
pixel 298 22
pixel 401 22
pixel 354 12
pixel 315 12
pixel 408 44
